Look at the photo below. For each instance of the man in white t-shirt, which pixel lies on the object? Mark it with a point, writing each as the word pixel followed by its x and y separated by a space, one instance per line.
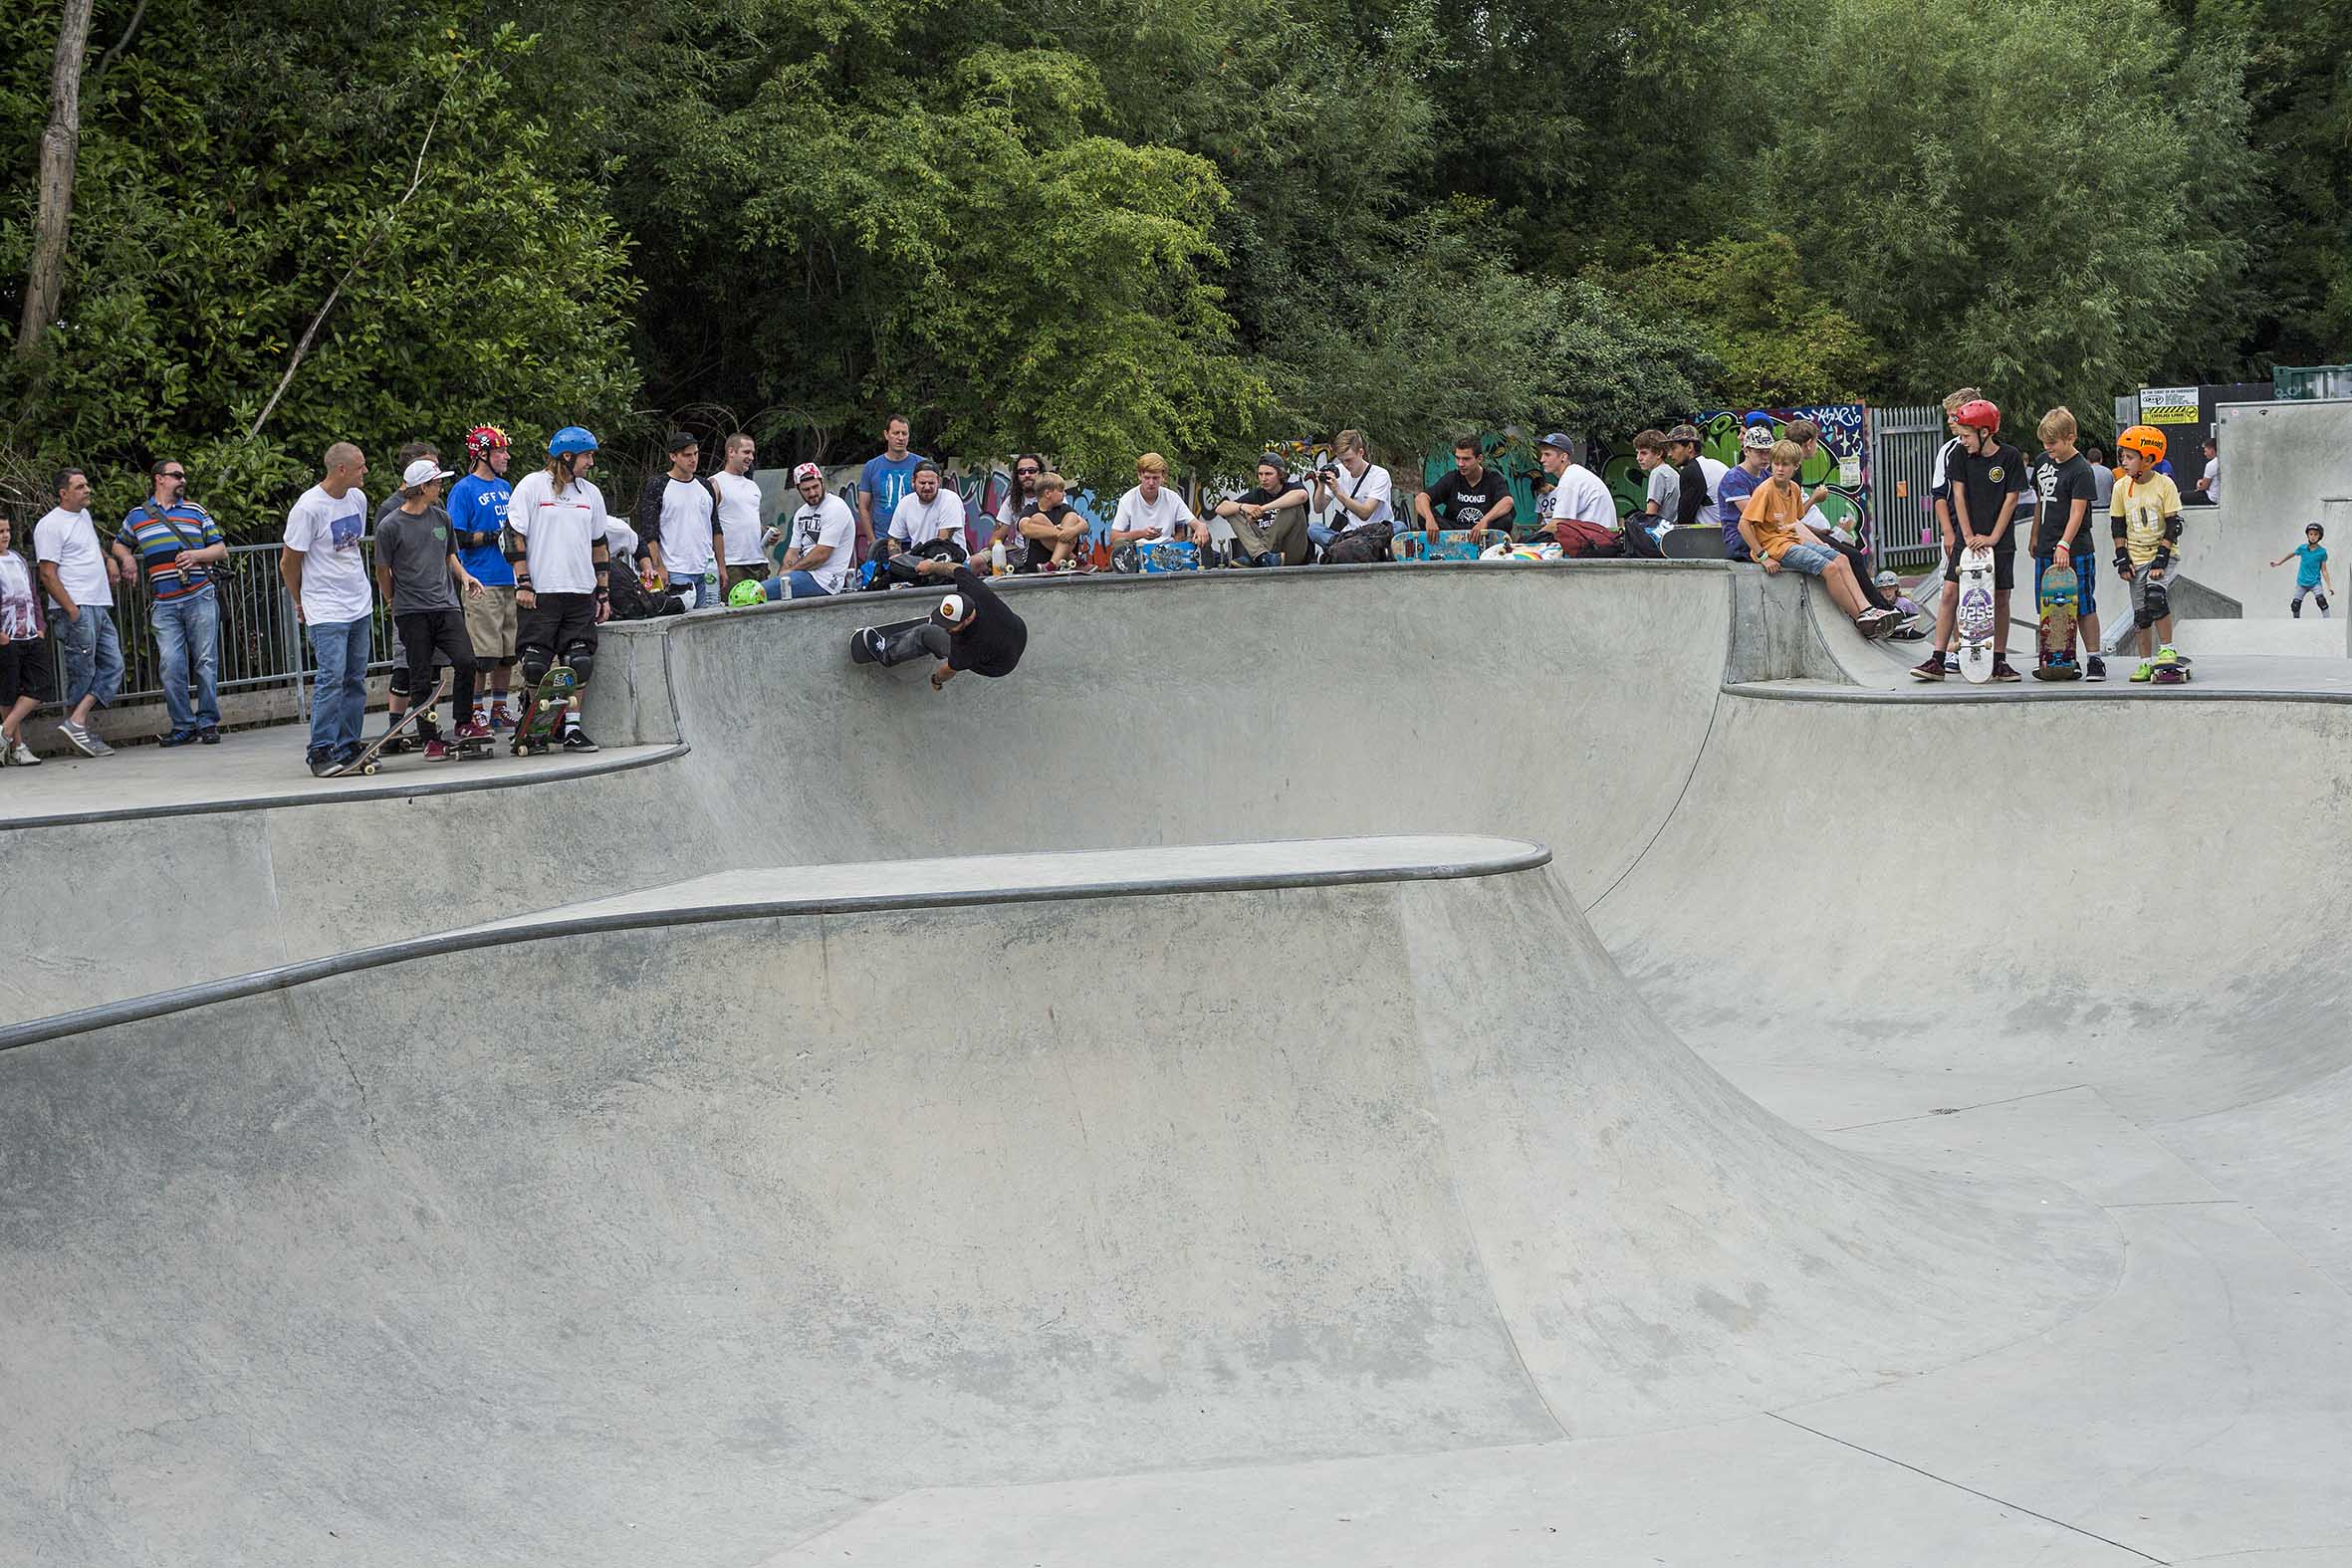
pixel 1027 469
pixel 1152 513
pixel 2210 485
pixel 327 576
pixel 79 574
pixel 739 516
pixel 1357 498
pixel 1579 514
pixel 677 517
pixel 816 561
pixel 926 514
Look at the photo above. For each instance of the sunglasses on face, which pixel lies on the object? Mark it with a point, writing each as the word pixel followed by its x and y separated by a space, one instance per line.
pixel 174 473
pixel 1024 473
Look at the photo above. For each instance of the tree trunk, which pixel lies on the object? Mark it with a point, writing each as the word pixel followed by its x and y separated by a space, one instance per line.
pixel 45 280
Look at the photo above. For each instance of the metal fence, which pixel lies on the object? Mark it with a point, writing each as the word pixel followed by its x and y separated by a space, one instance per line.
pixel 1903 443
pixel 261 642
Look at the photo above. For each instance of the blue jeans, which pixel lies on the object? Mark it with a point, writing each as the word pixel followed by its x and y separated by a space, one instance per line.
pixel 339 698
pixel 187 643
pixel 794 586
pixel 1319 535
pixel 699 592
pixel 94 654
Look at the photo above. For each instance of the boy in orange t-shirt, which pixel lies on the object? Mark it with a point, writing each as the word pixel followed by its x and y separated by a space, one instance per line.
pixel 1770 525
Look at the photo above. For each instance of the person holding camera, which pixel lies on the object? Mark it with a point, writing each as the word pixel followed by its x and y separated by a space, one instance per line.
pixel 1365 512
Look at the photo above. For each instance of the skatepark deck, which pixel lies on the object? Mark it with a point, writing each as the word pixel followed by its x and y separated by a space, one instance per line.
pixel 1704 1153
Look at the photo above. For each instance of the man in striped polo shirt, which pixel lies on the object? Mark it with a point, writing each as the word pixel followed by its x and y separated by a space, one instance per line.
pixel 178 546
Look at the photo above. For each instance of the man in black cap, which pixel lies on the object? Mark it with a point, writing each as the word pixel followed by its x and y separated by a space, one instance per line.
pixel 971 630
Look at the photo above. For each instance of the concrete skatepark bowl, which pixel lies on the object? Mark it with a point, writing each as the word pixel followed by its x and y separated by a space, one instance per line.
pixel 1493 1065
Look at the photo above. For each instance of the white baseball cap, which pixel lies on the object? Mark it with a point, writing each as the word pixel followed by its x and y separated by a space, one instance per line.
pixel 423 472
pixel 951 609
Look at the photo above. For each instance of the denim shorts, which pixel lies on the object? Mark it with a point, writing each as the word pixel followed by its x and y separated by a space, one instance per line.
pixel 1812 559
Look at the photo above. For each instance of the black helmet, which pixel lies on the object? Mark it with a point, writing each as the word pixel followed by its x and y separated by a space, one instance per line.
pixel 2313 528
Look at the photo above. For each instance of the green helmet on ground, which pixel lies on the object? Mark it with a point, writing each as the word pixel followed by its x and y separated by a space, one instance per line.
pixel 747 592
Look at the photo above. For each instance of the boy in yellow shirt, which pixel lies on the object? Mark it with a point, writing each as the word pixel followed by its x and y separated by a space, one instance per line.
pixel 1769 527
pixel 2145 518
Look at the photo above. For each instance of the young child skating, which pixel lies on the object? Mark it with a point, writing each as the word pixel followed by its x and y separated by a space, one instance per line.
pixel 1768 527
pixel 2146 520
pixel 2311 573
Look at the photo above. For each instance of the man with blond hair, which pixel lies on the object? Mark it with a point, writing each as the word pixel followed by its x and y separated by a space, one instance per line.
pixel 1153 513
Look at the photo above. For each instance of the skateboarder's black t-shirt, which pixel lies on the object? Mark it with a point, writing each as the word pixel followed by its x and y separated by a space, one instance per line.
pixel 1458 504
pixel 2061 485
pixel 1986 480
pixel 993 644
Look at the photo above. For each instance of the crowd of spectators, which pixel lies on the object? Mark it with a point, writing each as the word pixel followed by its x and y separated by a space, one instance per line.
pixel 461 593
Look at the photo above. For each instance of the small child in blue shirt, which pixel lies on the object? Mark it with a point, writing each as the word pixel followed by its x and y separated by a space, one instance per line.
pixel 2311 573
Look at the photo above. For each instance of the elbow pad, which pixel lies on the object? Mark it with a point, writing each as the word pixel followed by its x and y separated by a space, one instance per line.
pixel 514 545
pixel 2172 527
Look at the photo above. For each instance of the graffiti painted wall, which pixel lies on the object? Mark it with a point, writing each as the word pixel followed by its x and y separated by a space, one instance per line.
pixel 1842 461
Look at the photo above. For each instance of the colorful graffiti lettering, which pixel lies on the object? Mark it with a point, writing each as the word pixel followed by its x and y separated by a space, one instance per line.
pixel 1841 462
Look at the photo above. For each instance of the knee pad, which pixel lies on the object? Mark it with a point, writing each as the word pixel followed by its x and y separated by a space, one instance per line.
pixel 535 663
pixel 2322 598
pixel 2294 606
pixel 582 661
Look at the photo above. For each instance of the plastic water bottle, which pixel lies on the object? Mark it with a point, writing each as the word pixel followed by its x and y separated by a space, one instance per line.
pixel 995 558
pixel 710 584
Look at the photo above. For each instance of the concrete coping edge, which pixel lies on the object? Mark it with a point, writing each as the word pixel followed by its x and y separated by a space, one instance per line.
pixel 1510 856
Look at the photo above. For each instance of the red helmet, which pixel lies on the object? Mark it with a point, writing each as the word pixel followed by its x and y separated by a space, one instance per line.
pixel 1982 413
pixel 480 440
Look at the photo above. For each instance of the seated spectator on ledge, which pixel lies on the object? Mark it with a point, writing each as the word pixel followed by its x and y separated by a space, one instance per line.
pixel 1581 516
pixel 816 563
pixel 1769 523
pixel 1055 532
pixel 1362 500
pixel 1737 484
pixel 1153 513
pixel 1270 522
pixel 1028 468
pixel 927 515
pixel 1818 529
pixel 1473 497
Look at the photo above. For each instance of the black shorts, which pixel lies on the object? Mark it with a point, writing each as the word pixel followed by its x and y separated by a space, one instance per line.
pixel 2004 569
pixel 558 625
pixel 26 670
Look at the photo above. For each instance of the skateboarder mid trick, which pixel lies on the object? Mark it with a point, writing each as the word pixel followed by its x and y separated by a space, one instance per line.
pixel 972 630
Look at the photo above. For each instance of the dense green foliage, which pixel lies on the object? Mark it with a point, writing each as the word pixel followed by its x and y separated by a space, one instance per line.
pixel 1096 226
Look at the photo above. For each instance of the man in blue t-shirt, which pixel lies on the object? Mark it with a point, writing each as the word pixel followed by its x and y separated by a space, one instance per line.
pixel 1739 483
pixel 477 513
pixel 884 480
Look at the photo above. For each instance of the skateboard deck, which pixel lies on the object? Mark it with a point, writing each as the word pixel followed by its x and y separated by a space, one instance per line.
pixel 543 710
pixel 861 654
pixel 2057 662
pixel 1975 621
pixel 1167 555
pixel 2169 671
pixel 370 755
pixel 1451 544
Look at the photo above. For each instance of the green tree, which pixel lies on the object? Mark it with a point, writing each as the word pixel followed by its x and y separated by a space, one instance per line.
pixel 232 172
pixel 1779 342
pixel 1999 204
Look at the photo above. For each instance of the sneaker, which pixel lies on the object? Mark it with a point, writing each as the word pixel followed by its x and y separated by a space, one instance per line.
pixel 2001 670
pixel 208 735
pixel 323 767
pixel 474 729
pixel 1931 670
pixel 1877 623
pixel 497 720
pixel 21 756
pixel 873 643
pixel 2094 669
pixel 576 739
pixel 2146 670
pixel 176 737
pixel 81 739
pixel 436 751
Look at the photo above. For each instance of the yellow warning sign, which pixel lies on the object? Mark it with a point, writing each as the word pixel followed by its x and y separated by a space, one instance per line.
pixel 2168 405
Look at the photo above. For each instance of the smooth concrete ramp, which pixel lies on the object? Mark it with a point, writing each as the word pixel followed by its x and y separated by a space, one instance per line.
pixel 761 1228
pixel 1309 1198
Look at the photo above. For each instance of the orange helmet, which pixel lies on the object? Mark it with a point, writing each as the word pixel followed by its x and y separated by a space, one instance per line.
pixel 2146 440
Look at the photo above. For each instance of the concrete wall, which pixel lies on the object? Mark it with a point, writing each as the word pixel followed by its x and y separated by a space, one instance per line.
pixel 2280 463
